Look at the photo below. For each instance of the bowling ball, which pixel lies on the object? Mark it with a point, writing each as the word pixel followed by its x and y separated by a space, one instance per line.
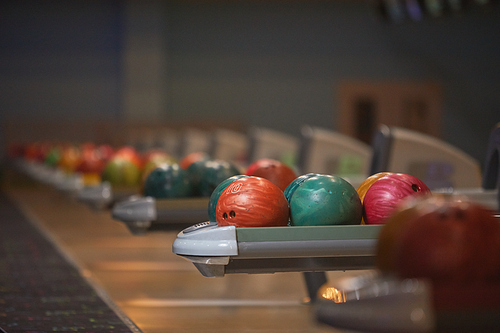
pixel 53 156
pixel 167 181
pixel 129 153
pixel 323 200
pixel 206 175
pixel 365 185
pixel 386 193
pixel 187 160
pixel 290 189
pixel 157 155
pixel 36 151
pixel 275 171
pixel 70 158
pixel 122 172
pixel 449 241
pixel 214 198
pixel 391 231
pixel 252 202
pixel 105 152
pixel 153 159
pixel 90 160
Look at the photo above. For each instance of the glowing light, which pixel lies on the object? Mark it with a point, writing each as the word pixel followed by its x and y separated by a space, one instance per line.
pixel 333 294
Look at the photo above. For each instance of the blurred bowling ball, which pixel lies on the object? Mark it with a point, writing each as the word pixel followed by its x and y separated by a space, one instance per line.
pixel 386 193
pixel 167 181
pixel 252 202
pixel 123 169
pixel 450 241
pixel 206 175
pixel 273 170
pixel 153 159
pixel 105 152
pixel 187 160
pixel 391 231
pixel 214 198
pixel 365 185
pixel 53 156
pixel 323 200
pixel 92 163
pixel 36 151
pixel 129 153
pixel 90 160
pixel 155 155
pixel 70 158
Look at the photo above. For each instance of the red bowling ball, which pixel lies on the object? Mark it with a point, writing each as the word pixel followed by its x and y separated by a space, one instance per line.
pixel 385 194
pixel 252 202
pixel 275 171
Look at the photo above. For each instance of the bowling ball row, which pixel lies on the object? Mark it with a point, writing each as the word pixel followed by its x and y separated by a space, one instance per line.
pixel 123 166
pixel 310 200
pixel 197 175
pixel 68 157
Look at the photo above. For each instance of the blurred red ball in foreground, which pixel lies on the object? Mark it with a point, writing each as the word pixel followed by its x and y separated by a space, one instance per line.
pixel 275 171
pixel 252 202
pixel 386 193
pixel 453 241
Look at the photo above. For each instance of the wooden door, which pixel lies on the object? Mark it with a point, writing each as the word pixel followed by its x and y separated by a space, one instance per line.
pixel 365 105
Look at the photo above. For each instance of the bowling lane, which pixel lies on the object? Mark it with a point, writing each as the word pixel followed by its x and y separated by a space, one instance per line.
pixel 159 291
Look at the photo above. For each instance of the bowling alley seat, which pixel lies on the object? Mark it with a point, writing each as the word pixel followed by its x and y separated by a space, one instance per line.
pixel 193 140
pixel 168 140
pixel 229 145
pixel 491 174
pixel 269 143
pixel 438 164
pixel 328 152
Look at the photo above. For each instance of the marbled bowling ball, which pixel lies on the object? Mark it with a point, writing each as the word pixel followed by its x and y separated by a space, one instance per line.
pixel 252 202
pixel 168 181
pixel 316 199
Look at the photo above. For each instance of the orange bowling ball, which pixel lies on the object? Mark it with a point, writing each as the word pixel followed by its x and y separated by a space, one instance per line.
pixel 252 202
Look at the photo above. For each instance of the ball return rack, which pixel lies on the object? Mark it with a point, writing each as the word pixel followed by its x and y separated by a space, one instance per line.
pixel 216 251
pixel 141 214
pixel 104 195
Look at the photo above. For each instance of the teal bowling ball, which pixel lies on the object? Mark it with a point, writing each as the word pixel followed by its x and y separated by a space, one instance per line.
pixel 195 171
pixel 290 189
pixel 208 174
pixel 323 200
pixel 167 181
pixel 212 202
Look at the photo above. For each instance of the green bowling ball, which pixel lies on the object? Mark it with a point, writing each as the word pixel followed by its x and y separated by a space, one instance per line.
pixel 290 189
pixel 53 157
pixel 208 174
pixel 323 200
pixel 212 203
pixel 167 181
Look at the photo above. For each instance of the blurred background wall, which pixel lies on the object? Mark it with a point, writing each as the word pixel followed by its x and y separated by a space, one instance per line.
pixel 96 66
